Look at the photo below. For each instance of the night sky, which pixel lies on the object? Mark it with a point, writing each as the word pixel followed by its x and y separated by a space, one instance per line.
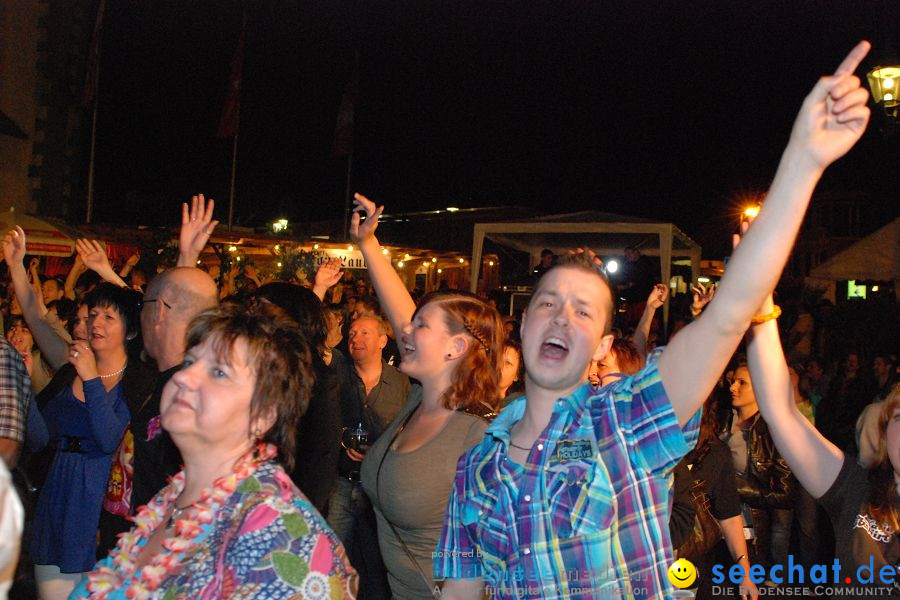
pixel 664 110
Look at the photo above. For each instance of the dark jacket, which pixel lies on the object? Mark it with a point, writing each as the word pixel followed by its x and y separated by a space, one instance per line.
pixel 768 482
pixel 316 455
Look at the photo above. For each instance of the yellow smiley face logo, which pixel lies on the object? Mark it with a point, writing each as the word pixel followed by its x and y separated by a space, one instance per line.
pixel 682 573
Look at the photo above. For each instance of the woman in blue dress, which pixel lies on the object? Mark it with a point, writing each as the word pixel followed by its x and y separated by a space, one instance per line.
pixel 85 417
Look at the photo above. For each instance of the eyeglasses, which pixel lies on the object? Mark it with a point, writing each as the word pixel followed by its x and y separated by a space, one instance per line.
pixel 164 303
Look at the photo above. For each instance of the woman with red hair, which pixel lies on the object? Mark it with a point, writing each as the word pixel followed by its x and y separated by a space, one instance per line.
pixel 452 344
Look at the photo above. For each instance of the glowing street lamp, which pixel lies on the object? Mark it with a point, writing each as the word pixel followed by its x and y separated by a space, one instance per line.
pixel 884 81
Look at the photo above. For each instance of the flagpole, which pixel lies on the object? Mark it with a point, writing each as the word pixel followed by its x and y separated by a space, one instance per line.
pixel 93 78
pixel 90 182
pixel 347 192
pixel 234 149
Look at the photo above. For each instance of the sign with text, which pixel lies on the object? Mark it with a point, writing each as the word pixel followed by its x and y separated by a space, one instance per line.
pixel 350 259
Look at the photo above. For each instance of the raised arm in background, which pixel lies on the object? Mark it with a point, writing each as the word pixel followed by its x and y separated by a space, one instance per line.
pixel 702 296
pixel 832 118
pixel 93 254
pixel 396 302
pixel 327 276
pixel 129 265
pixel 814 460
pixel 197 225
pixel 54 348
pixel 75 272
pixel 657 298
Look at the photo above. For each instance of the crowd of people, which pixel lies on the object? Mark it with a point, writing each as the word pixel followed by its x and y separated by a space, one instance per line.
pixel 173 437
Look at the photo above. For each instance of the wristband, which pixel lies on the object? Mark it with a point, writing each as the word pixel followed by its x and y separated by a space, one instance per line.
pixel 776 312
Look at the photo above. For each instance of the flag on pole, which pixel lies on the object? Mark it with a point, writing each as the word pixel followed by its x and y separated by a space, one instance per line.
pixel 93 65
pixel 228 123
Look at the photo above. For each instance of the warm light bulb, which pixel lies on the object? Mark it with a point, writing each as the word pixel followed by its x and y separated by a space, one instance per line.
pixel 350 248
pixel 232 248
pixel 315 246
pixel 491 263
pixel 888 97
pixel 612 266
pixel 433 259
pixel 440 270
pixel 888 83
pixel 462 260
pixel 279 264
pixel 384 251
pixel 751 211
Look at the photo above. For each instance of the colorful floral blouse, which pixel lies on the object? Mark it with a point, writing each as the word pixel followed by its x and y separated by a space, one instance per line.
pixel 252 535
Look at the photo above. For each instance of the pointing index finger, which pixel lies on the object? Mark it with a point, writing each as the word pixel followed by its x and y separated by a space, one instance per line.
pixel 851 62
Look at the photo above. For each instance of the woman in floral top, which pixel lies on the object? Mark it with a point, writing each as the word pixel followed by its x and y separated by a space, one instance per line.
pixel 231 524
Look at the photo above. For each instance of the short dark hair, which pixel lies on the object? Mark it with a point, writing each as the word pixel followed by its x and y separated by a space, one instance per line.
pixel 302 305
pixel 125 301
pixel 584 261
pixel 65 309
pixel 278 355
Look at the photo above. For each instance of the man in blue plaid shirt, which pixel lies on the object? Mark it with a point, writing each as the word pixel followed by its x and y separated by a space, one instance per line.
pixel 568 494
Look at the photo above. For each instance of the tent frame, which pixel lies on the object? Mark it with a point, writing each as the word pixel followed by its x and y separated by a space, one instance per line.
pixel 667 233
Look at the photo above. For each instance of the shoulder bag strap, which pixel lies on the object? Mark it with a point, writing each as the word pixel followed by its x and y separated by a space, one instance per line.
pixel 428 584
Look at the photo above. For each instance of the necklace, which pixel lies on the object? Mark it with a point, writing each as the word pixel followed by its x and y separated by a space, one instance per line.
pixel 116 373
pixel 185 537
pixel 175 516
pixel 519 447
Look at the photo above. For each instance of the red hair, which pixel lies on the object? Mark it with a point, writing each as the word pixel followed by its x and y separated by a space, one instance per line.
pixel 883 494
pixel 475 382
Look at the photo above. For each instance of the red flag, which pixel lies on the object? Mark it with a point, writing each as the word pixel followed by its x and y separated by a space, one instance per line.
pixel 228 123
pixel 93 65
pixel 343 129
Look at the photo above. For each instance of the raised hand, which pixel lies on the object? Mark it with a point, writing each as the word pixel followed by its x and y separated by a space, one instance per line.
pixel 14 246
pixel 93 254
pixel 658 296
pixel 590 253
pixel 329 273
pixel 702 295
pixel 82 358
pixel 78 265
pixel 197 225
pixel 363 230
pixel 133 260
pixel 834 114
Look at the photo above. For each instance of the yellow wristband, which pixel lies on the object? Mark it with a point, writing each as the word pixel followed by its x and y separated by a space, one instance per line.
pixel 763 318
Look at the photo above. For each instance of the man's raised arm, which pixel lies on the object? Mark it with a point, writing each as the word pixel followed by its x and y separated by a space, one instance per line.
pixel 832 118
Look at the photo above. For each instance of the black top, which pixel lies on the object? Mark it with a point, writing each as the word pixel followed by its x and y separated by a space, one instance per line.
pixel 316 455
pixel 717 470
pixel 154 460
pixel 859 539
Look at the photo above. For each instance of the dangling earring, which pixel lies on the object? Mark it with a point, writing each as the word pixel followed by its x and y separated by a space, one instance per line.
pixel 257 435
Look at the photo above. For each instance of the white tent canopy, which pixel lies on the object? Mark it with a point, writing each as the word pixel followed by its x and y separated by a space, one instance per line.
pixel 876 257
pixel 604 233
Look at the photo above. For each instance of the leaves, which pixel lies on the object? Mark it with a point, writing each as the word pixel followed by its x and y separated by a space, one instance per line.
pixel 290 568
pixel 295 524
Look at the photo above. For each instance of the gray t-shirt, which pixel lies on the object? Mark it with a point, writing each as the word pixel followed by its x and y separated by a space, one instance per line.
pixel 412 493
